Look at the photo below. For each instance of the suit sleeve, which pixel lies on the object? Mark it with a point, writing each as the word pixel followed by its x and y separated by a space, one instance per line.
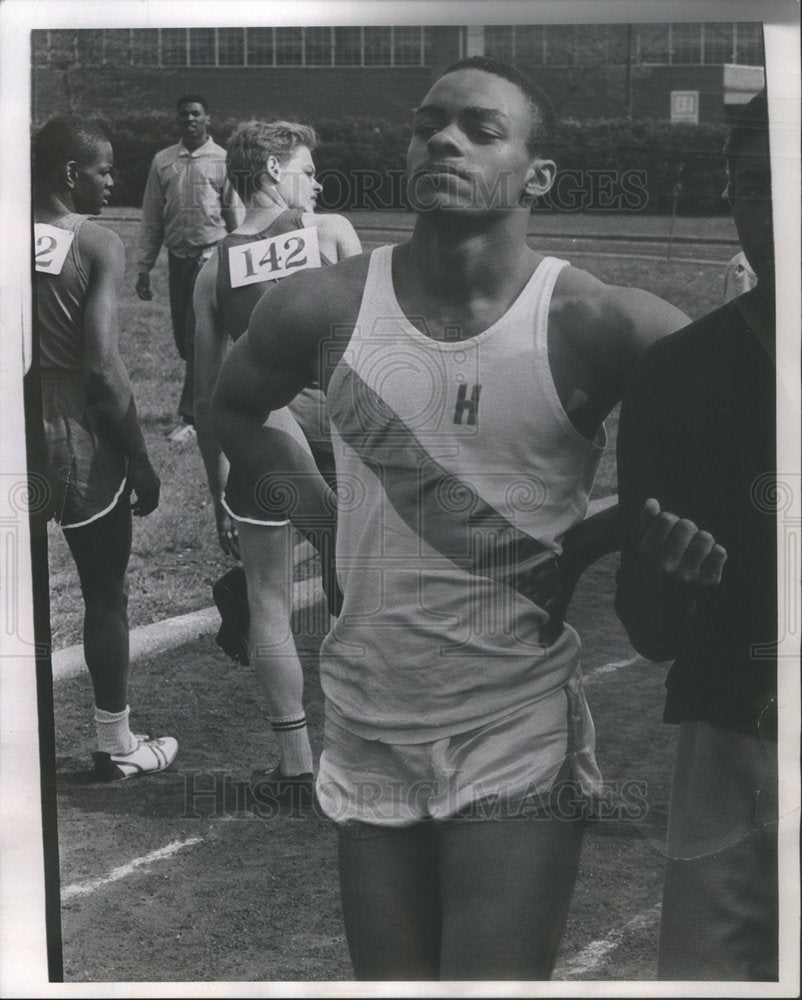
pixel 656 613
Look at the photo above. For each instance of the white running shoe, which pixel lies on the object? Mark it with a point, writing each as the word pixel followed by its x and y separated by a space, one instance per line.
pixel 151 755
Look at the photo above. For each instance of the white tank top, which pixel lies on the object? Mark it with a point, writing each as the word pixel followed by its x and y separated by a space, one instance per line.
pixel 458 474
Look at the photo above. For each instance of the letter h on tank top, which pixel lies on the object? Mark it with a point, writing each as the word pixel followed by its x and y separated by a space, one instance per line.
pixel 467 406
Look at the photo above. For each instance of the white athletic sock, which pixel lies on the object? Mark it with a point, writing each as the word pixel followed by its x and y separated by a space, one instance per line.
pixel 113 733
pixel 292 737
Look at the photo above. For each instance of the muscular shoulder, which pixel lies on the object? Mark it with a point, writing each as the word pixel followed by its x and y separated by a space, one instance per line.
pixel 294 316
pixel 609 326
pixel 595 308
pixel 317 298
pixel 338 238
pixel 334 225
pixel 101 248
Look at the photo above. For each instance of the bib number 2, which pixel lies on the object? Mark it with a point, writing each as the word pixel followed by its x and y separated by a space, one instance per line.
pixel 50 247
pixel 267 260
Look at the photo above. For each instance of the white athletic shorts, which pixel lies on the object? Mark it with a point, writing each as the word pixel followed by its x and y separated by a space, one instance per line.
pixel 505 768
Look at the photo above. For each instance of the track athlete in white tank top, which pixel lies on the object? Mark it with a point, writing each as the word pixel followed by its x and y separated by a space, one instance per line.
pixel 458 474
pixel 465 473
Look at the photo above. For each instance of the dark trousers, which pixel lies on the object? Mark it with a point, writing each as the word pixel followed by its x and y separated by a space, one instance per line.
pixel 183 271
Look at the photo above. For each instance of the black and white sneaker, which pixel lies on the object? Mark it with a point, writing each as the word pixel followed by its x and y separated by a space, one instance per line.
pixel 150 756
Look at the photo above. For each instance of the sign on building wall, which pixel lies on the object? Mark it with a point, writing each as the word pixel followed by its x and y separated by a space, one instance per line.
pixel 685 106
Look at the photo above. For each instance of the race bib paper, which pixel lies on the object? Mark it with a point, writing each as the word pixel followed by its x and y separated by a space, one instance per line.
pixel 266 260
pixel 50 246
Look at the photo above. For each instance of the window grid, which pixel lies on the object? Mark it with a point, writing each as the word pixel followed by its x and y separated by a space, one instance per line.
pixel 288 48
pixel 230 47
pixel 318 47
pixel 174 47
pixel 748 43
pixel 500 41
pixel 203 47
pixel 528 44
pixel 349 47
pixel 118 46
pixel 261 46
pixel 708 43
pixel 560 46
pixel 654 45
pixel 717 43
pixel 686 44
pixel 376 46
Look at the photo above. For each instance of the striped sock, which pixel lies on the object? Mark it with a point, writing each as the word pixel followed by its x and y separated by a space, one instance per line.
pixel 292 737
pixel 113 733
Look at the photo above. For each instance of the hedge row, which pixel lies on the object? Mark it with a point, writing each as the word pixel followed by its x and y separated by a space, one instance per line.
pixel 615 165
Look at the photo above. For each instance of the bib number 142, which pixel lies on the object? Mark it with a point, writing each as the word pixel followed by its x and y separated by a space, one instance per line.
pixel 267 260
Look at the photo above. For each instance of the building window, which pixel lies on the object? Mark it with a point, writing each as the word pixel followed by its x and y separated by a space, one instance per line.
pixel 619 40
pixel 749 44
pixel 348 46
pixel 209 47
pixel 317 47
pixel 173 47
pixel 377 47
pixel 560 46
pixel 654 44
pixel 521 44
pixel 117 47
pixel 145 47
pixel 230 46
pixel 201 47
pixel 259 43
pixel 590 45
pixel 686 44
pixel 407 49
pixel 62 48
pixel 500 41
pixel 529 45
pixel 289 47
pixel 89 47
pixel 718 43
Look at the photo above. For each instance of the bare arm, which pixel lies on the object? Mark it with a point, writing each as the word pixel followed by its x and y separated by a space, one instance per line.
pixel 151 233
pixel 264 370
pixel 211 347
pixel 348 244
pixel 338 238
pixel 597 333
pixel 108 386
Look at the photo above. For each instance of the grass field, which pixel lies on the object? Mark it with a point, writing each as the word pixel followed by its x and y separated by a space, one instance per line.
pixel 175 555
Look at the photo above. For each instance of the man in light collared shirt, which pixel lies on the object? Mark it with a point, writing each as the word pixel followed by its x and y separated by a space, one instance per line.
pixel 188 206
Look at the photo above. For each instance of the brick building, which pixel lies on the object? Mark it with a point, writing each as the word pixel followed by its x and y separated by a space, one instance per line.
pixel 589 71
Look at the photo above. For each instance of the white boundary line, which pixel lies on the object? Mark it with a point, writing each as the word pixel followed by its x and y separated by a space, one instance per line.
pixel 83 888
pixel 611 668
pixel 593 955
